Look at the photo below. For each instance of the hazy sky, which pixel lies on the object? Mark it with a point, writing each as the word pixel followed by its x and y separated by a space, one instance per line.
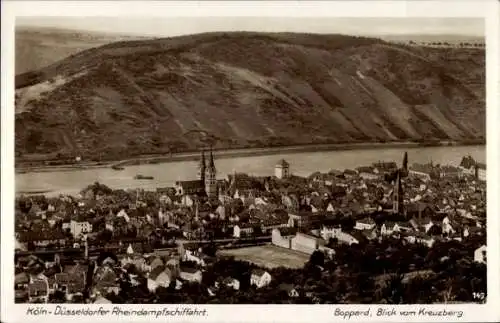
pixel 154 26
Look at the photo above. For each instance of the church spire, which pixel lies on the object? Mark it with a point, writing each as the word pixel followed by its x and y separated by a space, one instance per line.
pixel 397 195
pixel 202 162
pixel 210 177
pixel 211 163
pixel 202 167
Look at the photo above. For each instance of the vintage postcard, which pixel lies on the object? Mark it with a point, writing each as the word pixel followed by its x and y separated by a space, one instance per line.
pixel 250 161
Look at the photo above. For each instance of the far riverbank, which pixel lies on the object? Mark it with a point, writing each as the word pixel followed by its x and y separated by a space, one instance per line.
pixel 232 153
pixel 259 163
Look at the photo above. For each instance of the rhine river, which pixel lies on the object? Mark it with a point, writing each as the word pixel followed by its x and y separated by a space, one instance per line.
pixel 301 164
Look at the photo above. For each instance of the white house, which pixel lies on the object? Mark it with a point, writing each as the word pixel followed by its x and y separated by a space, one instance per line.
pixel 469 166
pixel 331 232
pixel 260 278
pixel 109 226
pixel 369 176
pixel 388 228
pixel 229 282
pixel 424 224
pixel 123 214
pixel 260 201
pixel 79 228
pixel 419 237
pixel 165 199
pixel 191 274
pixel 480 254
pixel 221 212
pixel 282 169
pixel 328 232
pixel 194 256
pixel 159 277
pixel 448 226
pixel 481 171
pixel 187 200
pixel 242 228
pixel 365 224
pixel 426 240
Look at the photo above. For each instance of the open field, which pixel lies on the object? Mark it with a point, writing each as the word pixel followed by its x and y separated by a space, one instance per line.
pixel 268 256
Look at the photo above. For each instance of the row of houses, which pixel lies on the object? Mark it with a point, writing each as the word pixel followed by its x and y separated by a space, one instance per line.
pixel 423 229
pixel 468 166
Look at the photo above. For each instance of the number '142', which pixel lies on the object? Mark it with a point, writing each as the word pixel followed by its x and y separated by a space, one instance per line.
pixel 478 296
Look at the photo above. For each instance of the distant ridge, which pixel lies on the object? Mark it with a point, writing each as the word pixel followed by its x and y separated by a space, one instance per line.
pixel 37 47
pixel 435 37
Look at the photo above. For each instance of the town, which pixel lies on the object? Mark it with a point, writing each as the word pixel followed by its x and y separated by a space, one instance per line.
pixel 382 233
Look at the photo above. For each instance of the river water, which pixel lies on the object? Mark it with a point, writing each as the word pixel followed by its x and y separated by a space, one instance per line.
pixel 302 164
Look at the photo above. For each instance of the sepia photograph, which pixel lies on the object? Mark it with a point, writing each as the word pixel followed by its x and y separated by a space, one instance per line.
pixel 249 160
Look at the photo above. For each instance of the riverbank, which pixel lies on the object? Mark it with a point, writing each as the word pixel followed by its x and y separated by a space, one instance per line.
pixel 232 153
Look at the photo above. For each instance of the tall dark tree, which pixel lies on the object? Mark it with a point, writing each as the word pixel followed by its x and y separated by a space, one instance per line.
pixel 317 258
pixel 25 205
pixel 210 249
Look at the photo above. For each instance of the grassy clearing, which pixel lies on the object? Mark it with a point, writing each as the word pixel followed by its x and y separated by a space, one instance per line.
pixel 269 256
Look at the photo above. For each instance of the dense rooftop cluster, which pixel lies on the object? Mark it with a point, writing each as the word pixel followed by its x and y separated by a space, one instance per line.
pixel 172 244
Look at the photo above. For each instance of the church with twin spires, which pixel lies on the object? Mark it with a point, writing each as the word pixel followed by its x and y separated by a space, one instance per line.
pixel 207 174
pixel 206 184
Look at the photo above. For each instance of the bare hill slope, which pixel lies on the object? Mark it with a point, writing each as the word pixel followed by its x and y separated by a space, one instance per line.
pixel 248 89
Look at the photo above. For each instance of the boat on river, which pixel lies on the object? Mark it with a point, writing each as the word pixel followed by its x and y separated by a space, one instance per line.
pixel 116 167
pixel 143 177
